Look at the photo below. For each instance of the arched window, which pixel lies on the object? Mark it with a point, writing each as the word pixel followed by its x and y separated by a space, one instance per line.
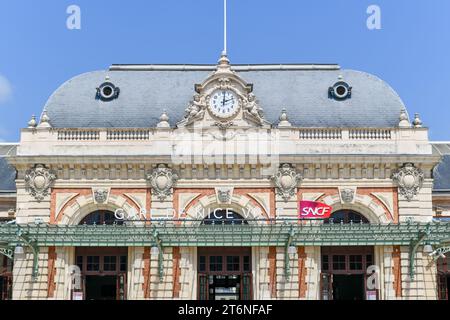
pixel 101 217
pixel 224 217
pixel 346 216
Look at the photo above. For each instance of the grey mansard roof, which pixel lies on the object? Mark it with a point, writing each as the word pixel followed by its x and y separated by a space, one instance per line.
pixel 7 172
pixel 146 91
pixel 442 171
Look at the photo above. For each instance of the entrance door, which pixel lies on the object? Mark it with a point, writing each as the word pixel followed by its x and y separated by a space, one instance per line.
pixel 5 287
pixel 104 273
pixel 344 272
pixel 443 286
pixel 224 274
pixel 443 278
pixel 348 287
pixel 101 287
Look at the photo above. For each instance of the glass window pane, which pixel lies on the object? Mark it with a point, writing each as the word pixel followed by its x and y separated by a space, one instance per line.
pixel 355 262
pixel 93 263
pixel 215 263
pixel 339 262
pixel 369 260
pixel 202 263
pixel 325 263
pixel 246 263
pixel 123 263
pixel 233 263
pixel 80 262
pixel 109 263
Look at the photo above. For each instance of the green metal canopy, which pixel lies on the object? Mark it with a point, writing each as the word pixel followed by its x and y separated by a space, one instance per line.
pixel 188 234
pixel 193 234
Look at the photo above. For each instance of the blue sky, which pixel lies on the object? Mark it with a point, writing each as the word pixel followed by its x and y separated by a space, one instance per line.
pixel 38 53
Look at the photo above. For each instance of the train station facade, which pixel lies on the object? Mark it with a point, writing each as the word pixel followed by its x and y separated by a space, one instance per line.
pixel 187 182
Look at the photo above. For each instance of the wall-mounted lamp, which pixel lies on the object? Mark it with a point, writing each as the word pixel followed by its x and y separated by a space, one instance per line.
pixel 292 250
pixel 154 251
pixel 427 248
pixel 18 250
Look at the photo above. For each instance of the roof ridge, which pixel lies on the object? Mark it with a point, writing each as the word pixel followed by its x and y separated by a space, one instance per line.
pixel 213 67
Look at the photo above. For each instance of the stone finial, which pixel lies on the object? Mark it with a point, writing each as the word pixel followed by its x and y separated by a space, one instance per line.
pixel 284 120
pixel 32 123
pixel 224 64
pixel 403 119
pixel 417 123
pixel 163 121
pixel 45 120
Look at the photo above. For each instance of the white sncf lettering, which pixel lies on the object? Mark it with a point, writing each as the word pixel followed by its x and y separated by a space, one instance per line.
pixel 315 211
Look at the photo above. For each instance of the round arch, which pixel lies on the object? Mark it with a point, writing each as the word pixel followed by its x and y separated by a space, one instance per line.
pixel 240 204
pixel 85 205
pixel 364 205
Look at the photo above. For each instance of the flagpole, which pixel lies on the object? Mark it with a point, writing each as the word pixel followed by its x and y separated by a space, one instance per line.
pixel 225 27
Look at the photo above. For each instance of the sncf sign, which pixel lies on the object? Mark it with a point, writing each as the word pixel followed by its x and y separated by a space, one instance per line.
pixel 314 210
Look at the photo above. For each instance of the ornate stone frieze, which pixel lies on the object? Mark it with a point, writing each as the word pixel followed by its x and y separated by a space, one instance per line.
pixel 162 180
pixel 286 181
pixel 38 181
pixel 409 179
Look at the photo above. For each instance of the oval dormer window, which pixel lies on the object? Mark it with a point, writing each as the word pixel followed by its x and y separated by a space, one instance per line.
pixel 340 91
pixel 107 91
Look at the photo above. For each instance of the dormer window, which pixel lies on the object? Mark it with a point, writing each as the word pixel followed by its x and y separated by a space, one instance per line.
pixel 340 91
pixel 107 91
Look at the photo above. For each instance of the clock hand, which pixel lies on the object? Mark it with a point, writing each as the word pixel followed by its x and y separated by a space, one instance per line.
pixel 224 97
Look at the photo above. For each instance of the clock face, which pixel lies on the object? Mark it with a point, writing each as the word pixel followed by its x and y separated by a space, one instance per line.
pixel 224 103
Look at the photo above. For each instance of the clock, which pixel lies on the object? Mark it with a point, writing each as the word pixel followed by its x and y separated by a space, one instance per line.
pixel 223 103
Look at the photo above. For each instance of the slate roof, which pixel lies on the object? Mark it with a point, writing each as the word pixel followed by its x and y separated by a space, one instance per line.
pixel 144 95
pixel 442 171
pixel 7 172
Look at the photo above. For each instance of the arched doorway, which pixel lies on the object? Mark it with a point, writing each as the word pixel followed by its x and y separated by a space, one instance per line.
pixel 103 269
pixel 225 273
pixel 344 268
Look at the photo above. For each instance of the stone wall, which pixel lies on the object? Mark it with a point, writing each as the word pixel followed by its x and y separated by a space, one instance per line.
pixel 24 287
pixel 424 285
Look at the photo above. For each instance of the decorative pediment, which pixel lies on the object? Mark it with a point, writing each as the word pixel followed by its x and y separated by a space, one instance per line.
pixel 224 100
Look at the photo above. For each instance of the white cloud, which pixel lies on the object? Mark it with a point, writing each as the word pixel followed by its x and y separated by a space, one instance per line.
pixel 5 89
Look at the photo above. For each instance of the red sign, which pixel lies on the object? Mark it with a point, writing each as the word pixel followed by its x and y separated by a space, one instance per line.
pixel 314 210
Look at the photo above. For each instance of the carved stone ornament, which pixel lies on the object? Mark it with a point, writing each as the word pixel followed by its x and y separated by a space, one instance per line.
pixel 38 181
pixel 246 110
pixel 409 180
pixel 286 180
pixel 347 194
pixel 162 180
pixel 101 195
pixel 224 194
